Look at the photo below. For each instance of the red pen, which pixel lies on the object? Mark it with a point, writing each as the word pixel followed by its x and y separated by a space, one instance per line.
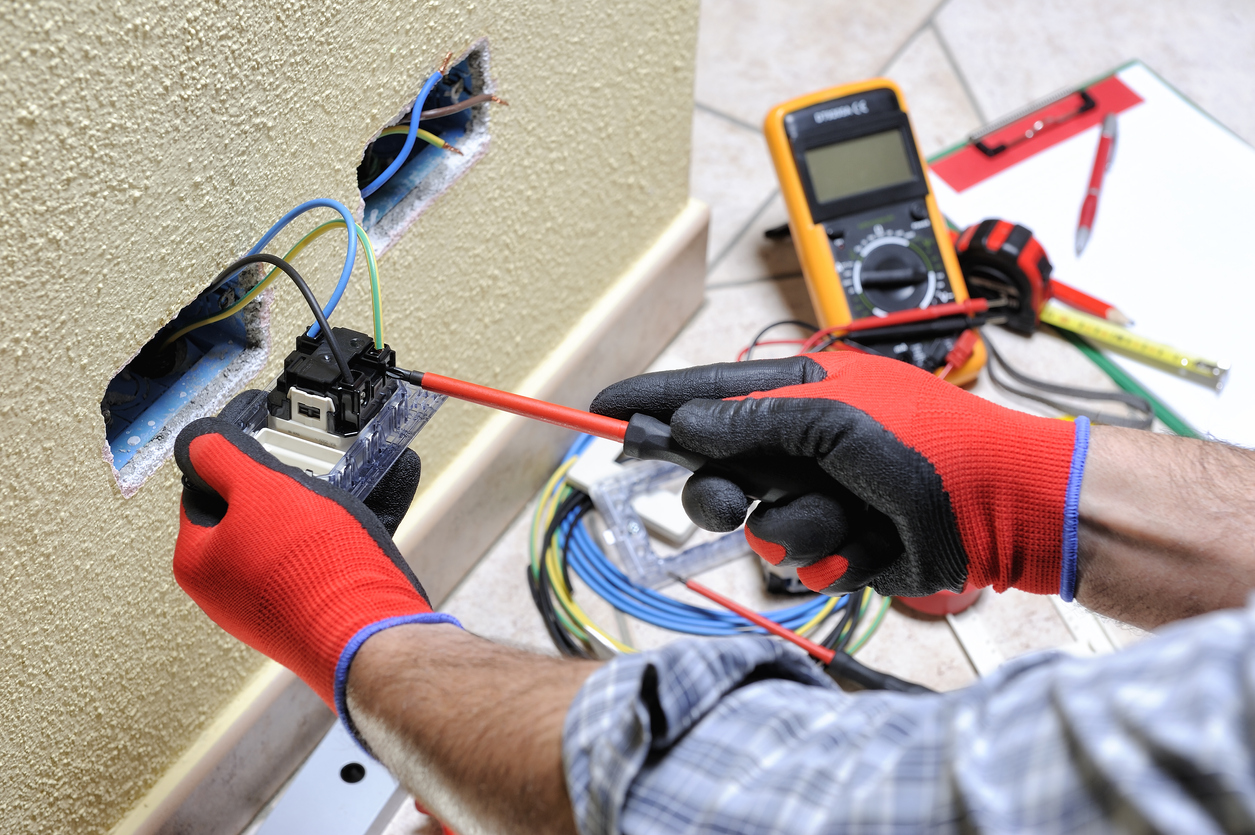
pixel 1102 161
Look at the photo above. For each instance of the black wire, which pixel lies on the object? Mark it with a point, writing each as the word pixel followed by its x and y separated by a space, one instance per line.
pixel 540 583
pixel 763 332
pixel 1134 402
pixel 275 260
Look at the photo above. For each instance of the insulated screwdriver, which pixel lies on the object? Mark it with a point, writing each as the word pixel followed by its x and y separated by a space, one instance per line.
pixel 644 437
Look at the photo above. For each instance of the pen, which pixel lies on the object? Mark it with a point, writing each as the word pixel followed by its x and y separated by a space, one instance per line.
pixel 1102 161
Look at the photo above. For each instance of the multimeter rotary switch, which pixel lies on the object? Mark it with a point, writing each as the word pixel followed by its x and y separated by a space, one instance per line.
pixel 890 276
pixel 869 236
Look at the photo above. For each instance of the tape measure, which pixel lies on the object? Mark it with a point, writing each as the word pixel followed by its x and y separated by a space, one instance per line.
pixel 868 233
pixel 1002 260
pixel 1186 365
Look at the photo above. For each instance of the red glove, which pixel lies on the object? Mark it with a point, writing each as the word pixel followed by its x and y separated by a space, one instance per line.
pixel 297 569
pixel 933 487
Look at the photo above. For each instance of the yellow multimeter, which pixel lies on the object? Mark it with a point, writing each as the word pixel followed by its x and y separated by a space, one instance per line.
pixel 866 227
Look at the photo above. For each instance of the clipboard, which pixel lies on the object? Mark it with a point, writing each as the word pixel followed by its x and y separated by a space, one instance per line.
pixel 1168 246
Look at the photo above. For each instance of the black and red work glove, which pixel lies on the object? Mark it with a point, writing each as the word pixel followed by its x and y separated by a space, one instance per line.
pixel 931 487
pixel 297 569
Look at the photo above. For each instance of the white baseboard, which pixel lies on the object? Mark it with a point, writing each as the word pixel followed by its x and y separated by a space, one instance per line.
pixel 263 735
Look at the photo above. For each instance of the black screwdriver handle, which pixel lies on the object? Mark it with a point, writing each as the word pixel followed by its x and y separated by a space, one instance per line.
pixel 768 479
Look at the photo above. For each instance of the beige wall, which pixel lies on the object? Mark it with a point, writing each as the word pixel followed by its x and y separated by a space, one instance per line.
pixel 147 144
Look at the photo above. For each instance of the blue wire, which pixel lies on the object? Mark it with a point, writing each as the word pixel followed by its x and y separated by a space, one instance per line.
pixel 409 137
pixel 608 582
pixel 350 226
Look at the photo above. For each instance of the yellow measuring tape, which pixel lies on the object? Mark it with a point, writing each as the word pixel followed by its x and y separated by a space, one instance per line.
pixel 1100 330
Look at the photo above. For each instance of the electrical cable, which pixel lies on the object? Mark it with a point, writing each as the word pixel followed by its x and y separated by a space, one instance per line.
pixel 411 135
pixel 465 104
pixel 349 257
pixel 875 624
pixel 566 545
pixel 1127 382
pixel 757 340
pixel 260 287
pixel 1138 404
pixel 267 258
pixel 427 136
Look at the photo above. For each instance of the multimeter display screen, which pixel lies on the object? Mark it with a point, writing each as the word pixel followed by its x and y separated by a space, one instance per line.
pixel 858 165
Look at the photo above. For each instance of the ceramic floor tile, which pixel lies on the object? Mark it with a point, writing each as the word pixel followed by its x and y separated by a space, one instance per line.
pixel 731 172
pixel 1020 622
pixel 732 316
pixel 941 112
pixel 1013 52
pixel 754 54
pixel 918 649
pixel 494 601
pixel 753 256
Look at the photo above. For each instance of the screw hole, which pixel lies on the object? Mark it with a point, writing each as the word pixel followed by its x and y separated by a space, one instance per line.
pixel 353 773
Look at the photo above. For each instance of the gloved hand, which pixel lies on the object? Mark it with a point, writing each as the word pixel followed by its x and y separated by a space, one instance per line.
pixel 295 568
pixel 932 487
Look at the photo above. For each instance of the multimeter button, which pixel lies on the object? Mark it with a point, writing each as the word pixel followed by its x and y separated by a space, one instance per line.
pixel 834 233
pixel 918 210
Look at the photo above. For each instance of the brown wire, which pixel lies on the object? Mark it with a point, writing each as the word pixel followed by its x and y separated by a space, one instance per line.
pixel 437 112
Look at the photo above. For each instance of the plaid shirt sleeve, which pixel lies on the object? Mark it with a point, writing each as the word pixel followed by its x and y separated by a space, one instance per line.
pixel 746 735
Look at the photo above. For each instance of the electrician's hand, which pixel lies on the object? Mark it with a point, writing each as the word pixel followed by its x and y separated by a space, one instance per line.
pixel 295 568
pixel 933 487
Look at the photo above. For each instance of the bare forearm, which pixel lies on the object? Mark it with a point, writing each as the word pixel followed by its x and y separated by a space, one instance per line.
pixel 1167 526
pixel 472 729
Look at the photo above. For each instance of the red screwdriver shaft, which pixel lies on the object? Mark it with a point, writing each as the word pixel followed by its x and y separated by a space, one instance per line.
pixel 565 416
pixel 816 651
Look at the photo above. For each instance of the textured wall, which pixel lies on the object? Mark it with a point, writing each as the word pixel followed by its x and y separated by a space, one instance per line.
pixel 145 144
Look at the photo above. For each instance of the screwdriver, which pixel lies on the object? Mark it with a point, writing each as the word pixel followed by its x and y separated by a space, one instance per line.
pixel 840 666
pixel 644 437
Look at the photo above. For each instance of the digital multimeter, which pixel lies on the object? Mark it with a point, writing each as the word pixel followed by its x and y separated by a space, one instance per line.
pixel 867 230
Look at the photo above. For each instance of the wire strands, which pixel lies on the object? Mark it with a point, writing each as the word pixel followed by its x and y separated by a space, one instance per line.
pixel 427 136
pixel 267 258
pixel 465 104
pixel 411 135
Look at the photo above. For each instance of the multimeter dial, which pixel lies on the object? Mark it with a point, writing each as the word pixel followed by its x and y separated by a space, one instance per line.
pixel 888 270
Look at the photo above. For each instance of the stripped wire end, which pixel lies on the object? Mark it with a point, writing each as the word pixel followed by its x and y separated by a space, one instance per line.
pixel 444 67
pixel 498 100
pixel 449 147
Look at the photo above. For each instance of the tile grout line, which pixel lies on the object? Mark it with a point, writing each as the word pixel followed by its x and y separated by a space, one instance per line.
pixel 924 24
pixel 719 114
pixel 954 65
pixel 745 282
pixel 740 233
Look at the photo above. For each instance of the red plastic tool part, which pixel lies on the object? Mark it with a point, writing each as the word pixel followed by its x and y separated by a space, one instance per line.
pixel 565 416
pixel 943 602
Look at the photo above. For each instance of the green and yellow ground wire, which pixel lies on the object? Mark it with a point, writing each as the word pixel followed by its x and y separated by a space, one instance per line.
pixel 260 287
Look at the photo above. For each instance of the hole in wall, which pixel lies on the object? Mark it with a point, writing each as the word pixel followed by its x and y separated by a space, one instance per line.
pixel 170 383
pixel 428 171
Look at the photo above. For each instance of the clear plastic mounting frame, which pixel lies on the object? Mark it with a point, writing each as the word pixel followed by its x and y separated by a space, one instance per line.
pixel 642 563
pixel 378 446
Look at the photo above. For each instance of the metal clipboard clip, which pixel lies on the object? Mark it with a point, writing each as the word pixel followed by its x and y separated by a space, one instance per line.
pixel 1032 120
